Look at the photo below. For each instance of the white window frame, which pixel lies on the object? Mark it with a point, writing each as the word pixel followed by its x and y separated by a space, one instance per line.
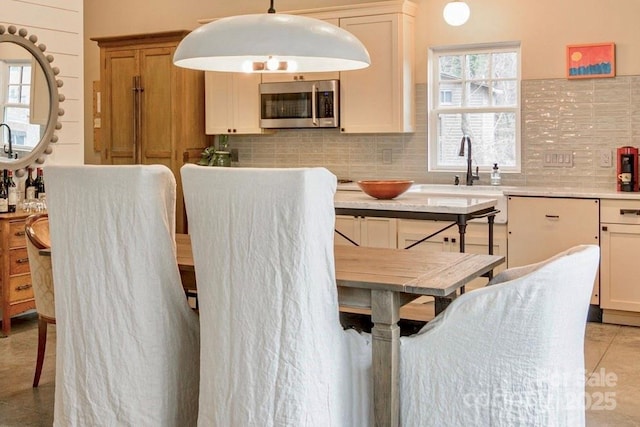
pixel 435 108
pixel 4 94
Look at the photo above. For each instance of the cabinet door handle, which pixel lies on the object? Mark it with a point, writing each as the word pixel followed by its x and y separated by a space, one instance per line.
pixel 23 287
pixel 19 233
pixel 22 260
pixel 630 211
pixel 552 216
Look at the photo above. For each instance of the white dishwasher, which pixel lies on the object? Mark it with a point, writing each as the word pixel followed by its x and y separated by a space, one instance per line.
pixel 540 227
pixel 619 266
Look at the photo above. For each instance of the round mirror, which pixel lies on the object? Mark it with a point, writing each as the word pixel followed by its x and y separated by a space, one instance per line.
pixel 29 100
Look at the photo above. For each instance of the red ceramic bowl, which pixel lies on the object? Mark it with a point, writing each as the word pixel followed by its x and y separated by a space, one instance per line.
pixel 384 189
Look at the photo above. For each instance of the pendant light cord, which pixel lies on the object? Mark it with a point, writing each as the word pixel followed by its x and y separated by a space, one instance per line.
pixel 271 9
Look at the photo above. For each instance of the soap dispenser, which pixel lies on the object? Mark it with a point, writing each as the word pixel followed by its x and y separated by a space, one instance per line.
pixel 495 175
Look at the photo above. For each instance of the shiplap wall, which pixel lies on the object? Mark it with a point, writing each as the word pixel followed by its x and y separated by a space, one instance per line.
pixel 58 24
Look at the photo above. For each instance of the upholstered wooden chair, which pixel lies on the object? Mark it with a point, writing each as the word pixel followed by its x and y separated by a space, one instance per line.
pixel 507 354
pixel 127 341
pixel 37 231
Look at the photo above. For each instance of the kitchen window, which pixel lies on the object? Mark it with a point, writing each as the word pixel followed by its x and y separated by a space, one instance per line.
pixel 475 91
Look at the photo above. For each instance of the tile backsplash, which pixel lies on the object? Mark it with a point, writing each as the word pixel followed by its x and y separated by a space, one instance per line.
pixel 583 117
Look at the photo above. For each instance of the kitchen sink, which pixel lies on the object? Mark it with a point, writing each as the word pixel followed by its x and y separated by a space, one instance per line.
pixel 482 191
pixel 459 189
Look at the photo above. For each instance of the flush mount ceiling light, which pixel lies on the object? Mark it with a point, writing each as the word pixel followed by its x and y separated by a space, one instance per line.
pixel 456 13
pixel 271 43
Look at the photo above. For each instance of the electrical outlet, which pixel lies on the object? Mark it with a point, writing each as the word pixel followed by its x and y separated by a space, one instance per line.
pixel 386 156
pixel 605 159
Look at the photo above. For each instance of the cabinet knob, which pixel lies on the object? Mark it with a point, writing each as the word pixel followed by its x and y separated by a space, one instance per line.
pixel 228 130
pixel 605 228
pixel 234 131
pixel 23 287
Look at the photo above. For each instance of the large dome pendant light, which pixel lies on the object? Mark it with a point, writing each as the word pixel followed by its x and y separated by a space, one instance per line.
pixel 271 43
pixel 456 13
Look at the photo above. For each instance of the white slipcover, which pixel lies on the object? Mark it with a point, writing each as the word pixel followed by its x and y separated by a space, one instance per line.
pixel 505 355
pixel 273 351
pixel 127 342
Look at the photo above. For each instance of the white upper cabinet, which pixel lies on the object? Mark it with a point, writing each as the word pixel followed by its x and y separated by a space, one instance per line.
pixel 380 98
pixel 232 103
pixel 377 99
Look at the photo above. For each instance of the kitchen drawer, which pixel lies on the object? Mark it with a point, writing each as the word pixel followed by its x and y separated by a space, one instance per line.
pixel 17 235
pixel 620 211
pixel 20 288
pixel 18 261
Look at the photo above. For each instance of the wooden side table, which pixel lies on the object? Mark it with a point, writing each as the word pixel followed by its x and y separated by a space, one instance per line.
pixel 16 290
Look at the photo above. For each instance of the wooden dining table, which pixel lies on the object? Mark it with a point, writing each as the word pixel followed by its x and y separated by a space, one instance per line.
pixel 383 280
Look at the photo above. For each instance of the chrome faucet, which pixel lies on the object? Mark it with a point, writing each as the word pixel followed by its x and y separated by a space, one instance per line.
pixel 470 176
pixel 9 152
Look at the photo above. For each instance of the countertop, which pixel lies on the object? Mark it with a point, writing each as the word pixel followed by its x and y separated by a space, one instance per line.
pixel 488 191
pixel 583 193
pixel 414 201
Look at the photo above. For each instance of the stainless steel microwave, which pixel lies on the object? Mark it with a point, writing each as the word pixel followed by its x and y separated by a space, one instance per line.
pixel 300 104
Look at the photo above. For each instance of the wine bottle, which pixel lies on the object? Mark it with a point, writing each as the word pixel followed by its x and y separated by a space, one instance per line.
pixel 12 192
pixel 29 185
pixel 4 197
pixel 40 192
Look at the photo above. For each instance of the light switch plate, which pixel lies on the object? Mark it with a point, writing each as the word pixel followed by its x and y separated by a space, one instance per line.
pixel 558 159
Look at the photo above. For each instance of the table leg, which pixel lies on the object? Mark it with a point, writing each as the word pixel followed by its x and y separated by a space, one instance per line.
pixel 385 313
pixel 462 229
pixel 491 219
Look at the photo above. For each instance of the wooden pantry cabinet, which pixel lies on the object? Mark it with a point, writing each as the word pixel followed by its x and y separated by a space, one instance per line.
pixel 152 111
pixel 16 291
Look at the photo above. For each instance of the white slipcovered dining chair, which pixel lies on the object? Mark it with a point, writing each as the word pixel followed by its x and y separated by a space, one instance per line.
pixel 127 342
pixel 504 355
pixel 273 351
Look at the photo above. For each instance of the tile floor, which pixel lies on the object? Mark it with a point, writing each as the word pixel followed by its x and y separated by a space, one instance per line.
pixel 612 355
